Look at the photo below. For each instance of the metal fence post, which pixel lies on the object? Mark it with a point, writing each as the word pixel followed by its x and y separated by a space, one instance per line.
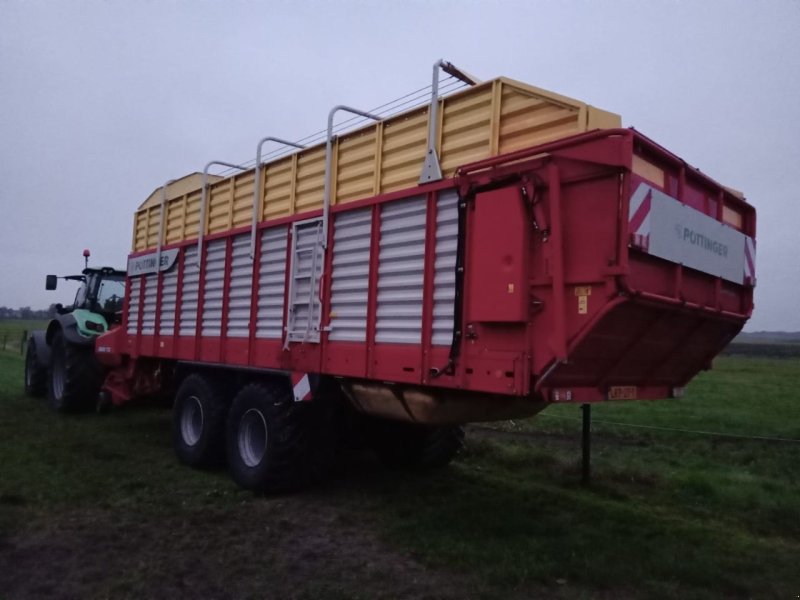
pixel 586 462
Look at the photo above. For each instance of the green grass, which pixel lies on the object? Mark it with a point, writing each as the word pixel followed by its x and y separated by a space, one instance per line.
pixel 669 514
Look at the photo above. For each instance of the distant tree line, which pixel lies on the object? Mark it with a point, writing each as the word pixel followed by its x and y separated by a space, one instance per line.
pixel 26 312
pixel 763 350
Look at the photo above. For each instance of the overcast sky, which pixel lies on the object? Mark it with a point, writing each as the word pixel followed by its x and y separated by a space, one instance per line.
pixel 101 102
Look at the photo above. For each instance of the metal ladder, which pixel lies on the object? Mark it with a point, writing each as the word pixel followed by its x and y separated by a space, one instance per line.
pixel 305 309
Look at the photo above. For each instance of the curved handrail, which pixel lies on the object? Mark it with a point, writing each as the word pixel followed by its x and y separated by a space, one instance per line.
pixel 258 190
pixel 201 225
pixel 326 194
pixel 431 169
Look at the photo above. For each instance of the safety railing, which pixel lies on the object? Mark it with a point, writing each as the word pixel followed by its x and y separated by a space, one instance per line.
pixel 258 189
pixel 201 225
pixel 431 168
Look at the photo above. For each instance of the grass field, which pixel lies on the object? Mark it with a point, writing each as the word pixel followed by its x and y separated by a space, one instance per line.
pixel 96 506
pixel 14 331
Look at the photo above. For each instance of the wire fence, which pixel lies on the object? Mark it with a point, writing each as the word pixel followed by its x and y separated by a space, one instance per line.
pixel 716 434
pixel 410 101
pixel 13 340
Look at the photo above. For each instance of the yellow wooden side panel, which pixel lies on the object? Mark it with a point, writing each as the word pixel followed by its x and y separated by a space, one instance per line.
pixel 178 188
pixel 310 179
pixel 527 120
pixel 405 140
pixel 139 230
pixel 176 217
pixel 602 119
pixel 219 206
pixel 644 168
pixel 242 213
pixel 192 215
pixel 495 117
pixel 278 189
pixel 465 129
pixel 153 219
pixel 355 166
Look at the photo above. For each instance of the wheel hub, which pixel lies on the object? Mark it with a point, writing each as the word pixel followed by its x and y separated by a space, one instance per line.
pixel 252 437
pixel 58 375
pixel 192 421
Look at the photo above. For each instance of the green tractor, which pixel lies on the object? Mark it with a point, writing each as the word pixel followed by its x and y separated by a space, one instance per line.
pixel 60 360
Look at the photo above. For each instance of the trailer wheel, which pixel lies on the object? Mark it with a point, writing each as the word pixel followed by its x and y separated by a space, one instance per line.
pixel 35 372
pixel 275 444
pixel 75 376
pixel 198 421
pixel 402 445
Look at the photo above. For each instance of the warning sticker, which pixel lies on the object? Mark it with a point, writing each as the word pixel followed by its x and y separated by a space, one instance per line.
pixel 583 292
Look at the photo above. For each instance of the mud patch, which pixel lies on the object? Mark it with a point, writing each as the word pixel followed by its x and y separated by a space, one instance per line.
pixel 296 547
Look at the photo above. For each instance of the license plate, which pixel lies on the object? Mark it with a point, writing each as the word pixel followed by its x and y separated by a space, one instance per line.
pixel 622 392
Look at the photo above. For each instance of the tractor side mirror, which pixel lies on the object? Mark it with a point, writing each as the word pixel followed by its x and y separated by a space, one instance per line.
pixel 50 282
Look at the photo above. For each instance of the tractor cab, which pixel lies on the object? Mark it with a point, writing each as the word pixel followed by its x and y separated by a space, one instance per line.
pixel 98 301
pixel 60 360
pixel 102 291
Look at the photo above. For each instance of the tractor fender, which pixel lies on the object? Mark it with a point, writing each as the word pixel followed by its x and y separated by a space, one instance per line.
pixel 42 348
pixel 67 324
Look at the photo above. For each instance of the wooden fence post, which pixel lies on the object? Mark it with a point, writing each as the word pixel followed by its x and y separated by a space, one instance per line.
pixel 22 341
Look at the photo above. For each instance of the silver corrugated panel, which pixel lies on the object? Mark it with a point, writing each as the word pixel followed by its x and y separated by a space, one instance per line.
pixel 133 305
pixel 240 287
pixel 272 283
pixel 189 293
pixel 169 296
pixel 444 279
pixel 149 310
pixel 213 289
pixel 350 277
pixel 308 259
pixel 401 272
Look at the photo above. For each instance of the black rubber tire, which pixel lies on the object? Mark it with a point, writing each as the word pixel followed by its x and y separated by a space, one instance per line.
pixel 275 444
pixel 75 376
pixel 35 372
pixel 198 421
pixel 407 445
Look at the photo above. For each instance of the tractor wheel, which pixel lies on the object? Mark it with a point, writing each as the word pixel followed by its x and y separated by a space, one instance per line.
pixel 403 445
pixel 198 421
pixel 75 376
pixel 276 444
pixel 35 372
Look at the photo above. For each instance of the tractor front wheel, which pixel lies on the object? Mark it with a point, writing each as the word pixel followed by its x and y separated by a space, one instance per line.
pixel 75 376
pixel 35 372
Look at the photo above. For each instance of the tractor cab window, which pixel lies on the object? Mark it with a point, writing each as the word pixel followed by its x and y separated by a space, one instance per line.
pixel 80 295
pixel 110 294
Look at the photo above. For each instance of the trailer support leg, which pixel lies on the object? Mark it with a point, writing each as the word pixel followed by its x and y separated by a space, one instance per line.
pixel 586 464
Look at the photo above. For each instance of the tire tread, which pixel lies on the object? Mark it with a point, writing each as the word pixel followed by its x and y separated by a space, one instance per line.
pixel 82 376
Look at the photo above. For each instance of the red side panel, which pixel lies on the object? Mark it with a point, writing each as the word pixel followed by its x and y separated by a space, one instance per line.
pixel 534 284
pixel 498 257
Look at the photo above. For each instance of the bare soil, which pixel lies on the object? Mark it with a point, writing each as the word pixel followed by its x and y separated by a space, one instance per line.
pixel 301 546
